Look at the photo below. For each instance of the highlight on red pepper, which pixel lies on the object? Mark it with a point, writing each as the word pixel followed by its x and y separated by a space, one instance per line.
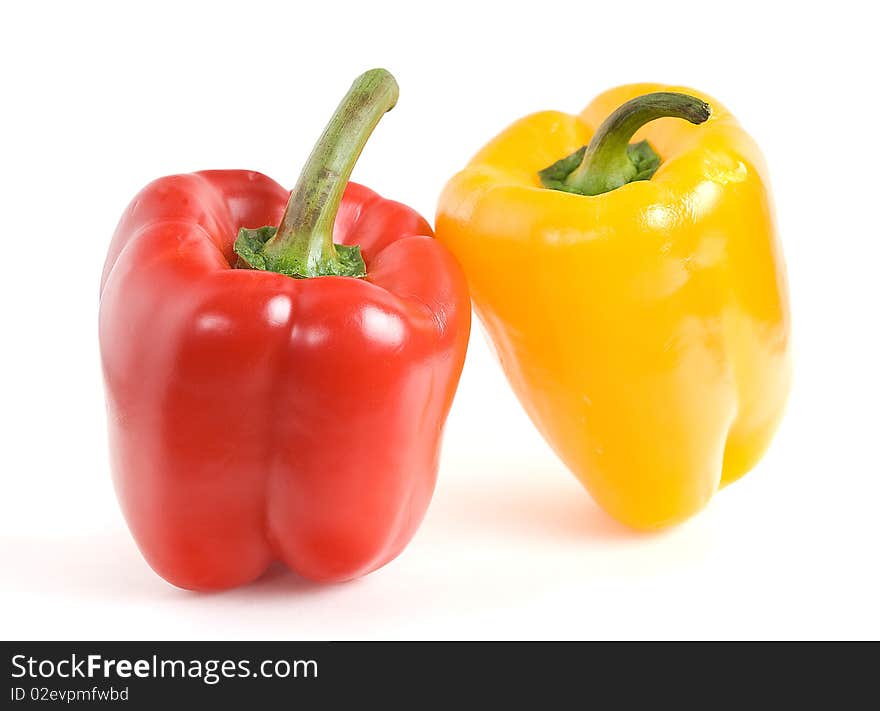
pixel 279 367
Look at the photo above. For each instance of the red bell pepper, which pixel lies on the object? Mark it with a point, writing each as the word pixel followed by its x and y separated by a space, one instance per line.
pixel 274 405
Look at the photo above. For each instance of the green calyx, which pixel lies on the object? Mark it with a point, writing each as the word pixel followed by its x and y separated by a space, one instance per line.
pixel 641 155
pixel 610 160
pixel 250 245
pixel 302 245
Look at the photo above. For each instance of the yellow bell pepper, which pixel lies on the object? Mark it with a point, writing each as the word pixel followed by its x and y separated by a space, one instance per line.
pixel 641 317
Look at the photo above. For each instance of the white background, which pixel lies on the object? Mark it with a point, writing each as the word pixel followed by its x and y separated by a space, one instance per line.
pixel 99 99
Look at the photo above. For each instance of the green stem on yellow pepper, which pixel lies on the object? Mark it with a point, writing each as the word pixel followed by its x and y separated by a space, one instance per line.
pixel 609 161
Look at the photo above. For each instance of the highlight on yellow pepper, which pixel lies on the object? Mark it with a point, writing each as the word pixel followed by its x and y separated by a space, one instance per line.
pixel 626 265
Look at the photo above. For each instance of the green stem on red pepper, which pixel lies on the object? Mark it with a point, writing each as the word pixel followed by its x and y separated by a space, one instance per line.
pixel 610 161
pixel 302 245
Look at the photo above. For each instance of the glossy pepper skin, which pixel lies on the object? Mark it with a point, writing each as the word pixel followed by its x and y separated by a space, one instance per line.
pixel 256 417
pixel 646 330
